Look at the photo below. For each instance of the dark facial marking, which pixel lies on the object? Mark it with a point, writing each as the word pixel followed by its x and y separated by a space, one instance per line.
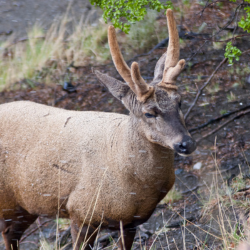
pixel 148 115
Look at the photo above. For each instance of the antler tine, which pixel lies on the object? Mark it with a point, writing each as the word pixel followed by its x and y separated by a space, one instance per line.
pixel 143 90
pixel 133 76
pixel 172 67
pixel 117 57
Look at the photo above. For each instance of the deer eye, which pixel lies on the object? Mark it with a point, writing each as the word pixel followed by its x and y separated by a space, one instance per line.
pixel 148 115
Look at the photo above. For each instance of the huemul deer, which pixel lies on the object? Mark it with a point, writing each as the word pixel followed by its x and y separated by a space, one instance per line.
pixel 101 170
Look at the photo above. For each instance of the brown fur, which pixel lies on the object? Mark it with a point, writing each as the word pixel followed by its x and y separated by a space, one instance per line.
pixel 96 168
pixel 39 154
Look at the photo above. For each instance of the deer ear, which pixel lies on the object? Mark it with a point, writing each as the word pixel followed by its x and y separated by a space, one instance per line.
pixel 159 68
pixel 117 88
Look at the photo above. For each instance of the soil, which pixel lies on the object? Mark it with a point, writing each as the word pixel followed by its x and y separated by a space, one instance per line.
pixel 222 156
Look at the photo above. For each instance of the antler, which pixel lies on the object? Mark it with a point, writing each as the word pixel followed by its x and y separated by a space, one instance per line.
pixel 172 67
pixel 142 88
pixel 133 76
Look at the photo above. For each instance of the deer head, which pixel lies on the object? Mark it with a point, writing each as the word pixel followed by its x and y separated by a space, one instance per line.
pixel 155 108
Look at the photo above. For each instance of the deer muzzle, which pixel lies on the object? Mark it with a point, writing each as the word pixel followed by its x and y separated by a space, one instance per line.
pixel 186 146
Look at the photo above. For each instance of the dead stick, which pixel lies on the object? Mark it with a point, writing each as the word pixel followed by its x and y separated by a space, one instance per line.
pixel 24 39
pixel 34 230
pixel 224 124
pixel 206 83
pixel 203 87
pixel 217 119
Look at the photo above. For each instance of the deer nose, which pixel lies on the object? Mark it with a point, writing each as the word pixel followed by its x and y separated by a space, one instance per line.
pixel 186 146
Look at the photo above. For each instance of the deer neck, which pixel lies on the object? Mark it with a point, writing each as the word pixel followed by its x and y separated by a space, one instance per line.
pixel 136 155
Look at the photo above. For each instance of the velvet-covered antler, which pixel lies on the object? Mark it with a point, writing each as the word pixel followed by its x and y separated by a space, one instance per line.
pixel 133 76
pixel 173 66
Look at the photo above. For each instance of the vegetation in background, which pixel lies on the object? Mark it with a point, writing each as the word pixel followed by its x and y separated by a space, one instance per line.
pixel 146 33
pixel 224 199
pixel 244 23
pixel 124 12
pixel 46 55
pixel 232 52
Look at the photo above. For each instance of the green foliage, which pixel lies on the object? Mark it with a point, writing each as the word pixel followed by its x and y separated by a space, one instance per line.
pixel 223 112
pixel 123 13
pixel 232 52
pixel 172 196
pixel 244 23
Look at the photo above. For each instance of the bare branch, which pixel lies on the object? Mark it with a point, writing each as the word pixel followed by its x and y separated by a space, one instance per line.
pixel 221 29
pixel 24 39
pixel 203 87
pixel 217 119
pixel 224 124
pixel 223 41
pixel 34 230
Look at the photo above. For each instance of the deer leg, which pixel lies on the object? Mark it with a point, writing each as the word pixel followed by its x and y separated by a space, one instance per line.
pixel 85 239
pixel 127 238
pixel 2 225
pixel 15 228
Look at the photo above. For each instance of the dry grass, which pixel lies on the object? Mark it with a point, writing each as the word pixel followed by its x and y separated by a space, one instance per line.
pixel 224 221
pixel 43 55
pixel 226 209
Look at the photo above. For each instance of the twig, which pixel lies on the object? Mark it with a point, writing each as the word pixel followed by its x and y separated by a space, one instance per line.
pixel 6 33
pixel 24 39
pixel 107 237
pixel 203 87
pixel 64 236
pixel 217 119
pixel 161 44
pixel 164 42
pixel 181 222
pixel 209 4
pixel 236 21
pixel 34 230
pixel 61 99
pixel 198 226
pixel 224 124
pixel 190 190
pixel 223 41
pixel 243 189
pixel 245 52
pixel 221 29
